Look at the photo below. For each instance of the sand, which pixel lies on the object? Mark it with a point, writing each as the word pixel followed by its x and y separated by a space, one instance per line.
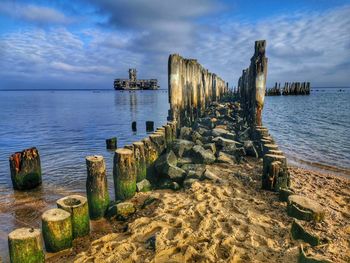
pixel 228 221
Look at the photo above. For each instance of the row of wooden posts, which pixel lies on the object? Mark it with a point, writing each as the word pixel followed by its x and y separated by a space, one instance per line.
pixel 290 88
pixel 71 218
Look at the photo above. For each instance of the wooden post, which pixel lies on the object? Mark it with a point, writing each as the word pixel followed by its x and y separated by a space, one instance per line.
pixel 275 172
pixel 159 140
pixel 96 186
pixel 268 146
pixel 57 229
pixel 25 246
pixel 168 134
pixel 149 126
pixel 111 143
pixel 140 161
pixel 133 126
pixel 77 206
pixel 25 169
pixel 124 174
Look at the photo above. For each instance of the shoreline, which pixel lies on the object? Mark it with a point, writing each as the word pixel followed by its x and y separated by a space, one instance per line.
pixel 236 210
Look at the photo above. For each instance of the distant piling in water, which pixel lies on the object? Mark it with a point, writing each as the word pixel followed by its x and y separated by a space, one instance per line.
pixel 25 169
pixel 290 88
pixel 111 143
pixel 149 126
pixel 133 126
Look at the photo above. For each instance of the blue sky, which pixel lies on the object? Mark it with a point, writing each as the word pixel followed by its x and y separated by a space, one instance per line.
pixel 88 43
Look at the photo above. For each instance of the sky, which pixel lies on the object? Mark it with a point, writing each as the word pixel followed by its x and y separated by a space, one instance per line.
pixel 85 44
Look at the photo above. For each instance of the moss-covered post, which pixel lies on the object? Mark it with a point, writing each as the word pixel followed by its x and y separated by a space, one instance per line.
pixel 151 154
pixel 111 143
pixel 275 172
pixel 25 246
pixel 140 161
pixel 57 230
pixel 77 206
pixel 124 174
pixel 96 186
pixel 25 169
pixel 149 126
pixel 168 134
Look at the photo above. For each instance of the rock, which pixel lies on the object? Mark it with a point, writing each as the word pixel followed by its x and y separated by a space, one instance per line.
pixel 284 193
pixel 143 186
pixel 181 147
pixel 298 232
pixel 211 176
pixel 167 184
pixel 210 146
pixel 185 133
pixel 149 200
pixel 225 143
pixel 220 132
pixel 203 132
pixel 250 149
pixel 164 161
pixel 305 259
pixel 175 173
pixel 195 171
pixel 151 243
pixel 121 211
pixel 189 181
pixel 200 155
pixel 207 122
pixel 225 158
pixel 184 160
pixel 207 139
pixel 243 136
pixel 303 208
pixel 196 137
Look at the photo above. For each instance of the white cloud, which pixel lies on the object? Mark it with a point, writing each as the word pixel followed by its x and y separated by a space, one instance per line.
pixel 34 13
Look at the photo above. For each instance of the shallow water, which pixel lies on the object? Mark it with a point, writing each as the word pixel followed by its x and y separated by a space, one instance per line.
pixel 312 130
pixel 66 126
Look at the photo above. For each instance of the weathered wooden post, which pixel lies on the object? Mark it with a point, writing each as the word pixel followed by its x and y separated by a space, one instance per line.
pixel 111 143
pixel 25 246
pixel 168 134
pixel 124 174
pixel 57 229
pixel 77 206
pixel 158 139
pixel 140 161
pixel 25 169
pixel 133 126
pixel 269 146
pixel 96 186
pixel 275 172
pixel 149 126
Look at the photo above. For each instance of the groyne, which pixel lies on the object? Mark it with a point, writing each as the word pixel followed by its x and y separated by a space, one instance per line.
pixel 290 88
pixel 203 136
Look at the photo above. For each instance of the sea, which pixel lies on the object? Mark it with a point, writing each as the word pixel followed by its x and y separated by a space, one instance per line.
pixel 68 125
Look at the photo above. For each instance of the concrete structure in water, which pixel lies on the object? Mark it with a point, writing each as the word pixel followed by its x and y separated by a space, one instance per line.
pixel 135 84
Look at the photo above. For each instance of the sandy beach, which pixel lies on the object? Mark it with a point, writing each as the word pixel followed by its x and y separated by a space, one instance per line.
pixel 230 220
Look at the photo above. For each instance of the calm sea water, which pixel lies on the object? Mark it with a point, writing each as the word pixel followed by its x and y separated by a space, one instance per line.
pixel 66 126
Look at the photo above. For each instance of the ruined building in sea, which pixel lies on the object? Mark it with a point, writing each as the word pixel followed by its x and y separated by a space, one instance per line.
pixel 134 84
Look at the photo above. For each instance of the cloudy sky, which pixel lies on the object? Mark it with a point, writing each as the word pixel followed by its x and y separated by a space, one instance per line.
pixel 88 43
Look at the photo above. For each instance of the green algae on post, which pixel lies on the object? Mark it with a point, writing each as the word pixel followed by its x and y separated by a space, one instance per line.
pixel 57 229
pixel 124 174
pixel 78 207
pixel 25 169
pixel 140 161
pixel 25 246
pixel 96 186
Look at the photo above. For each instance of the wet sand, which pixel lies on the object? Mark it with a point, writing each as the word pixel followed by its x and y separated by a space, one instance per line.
pixel 228 221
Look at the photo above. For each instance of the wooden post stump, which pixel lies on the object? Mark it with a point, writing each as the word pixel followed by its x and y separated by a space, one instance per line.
pixel 124 174
pixel 268 146
pixel 111 143
pixel 151 154
pixel 25 169
pixel 275 172
pixel 140 161
pixel 57 229
pixel 25 246
pixel 77 206
pixel 275 152
pixel 159 141
pixel 133 126
pixel 96 186
pixel 149 126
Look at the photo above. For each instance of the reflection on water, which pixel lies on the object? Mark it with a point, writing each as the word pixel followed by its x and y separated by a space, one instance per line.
pixel 65 126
